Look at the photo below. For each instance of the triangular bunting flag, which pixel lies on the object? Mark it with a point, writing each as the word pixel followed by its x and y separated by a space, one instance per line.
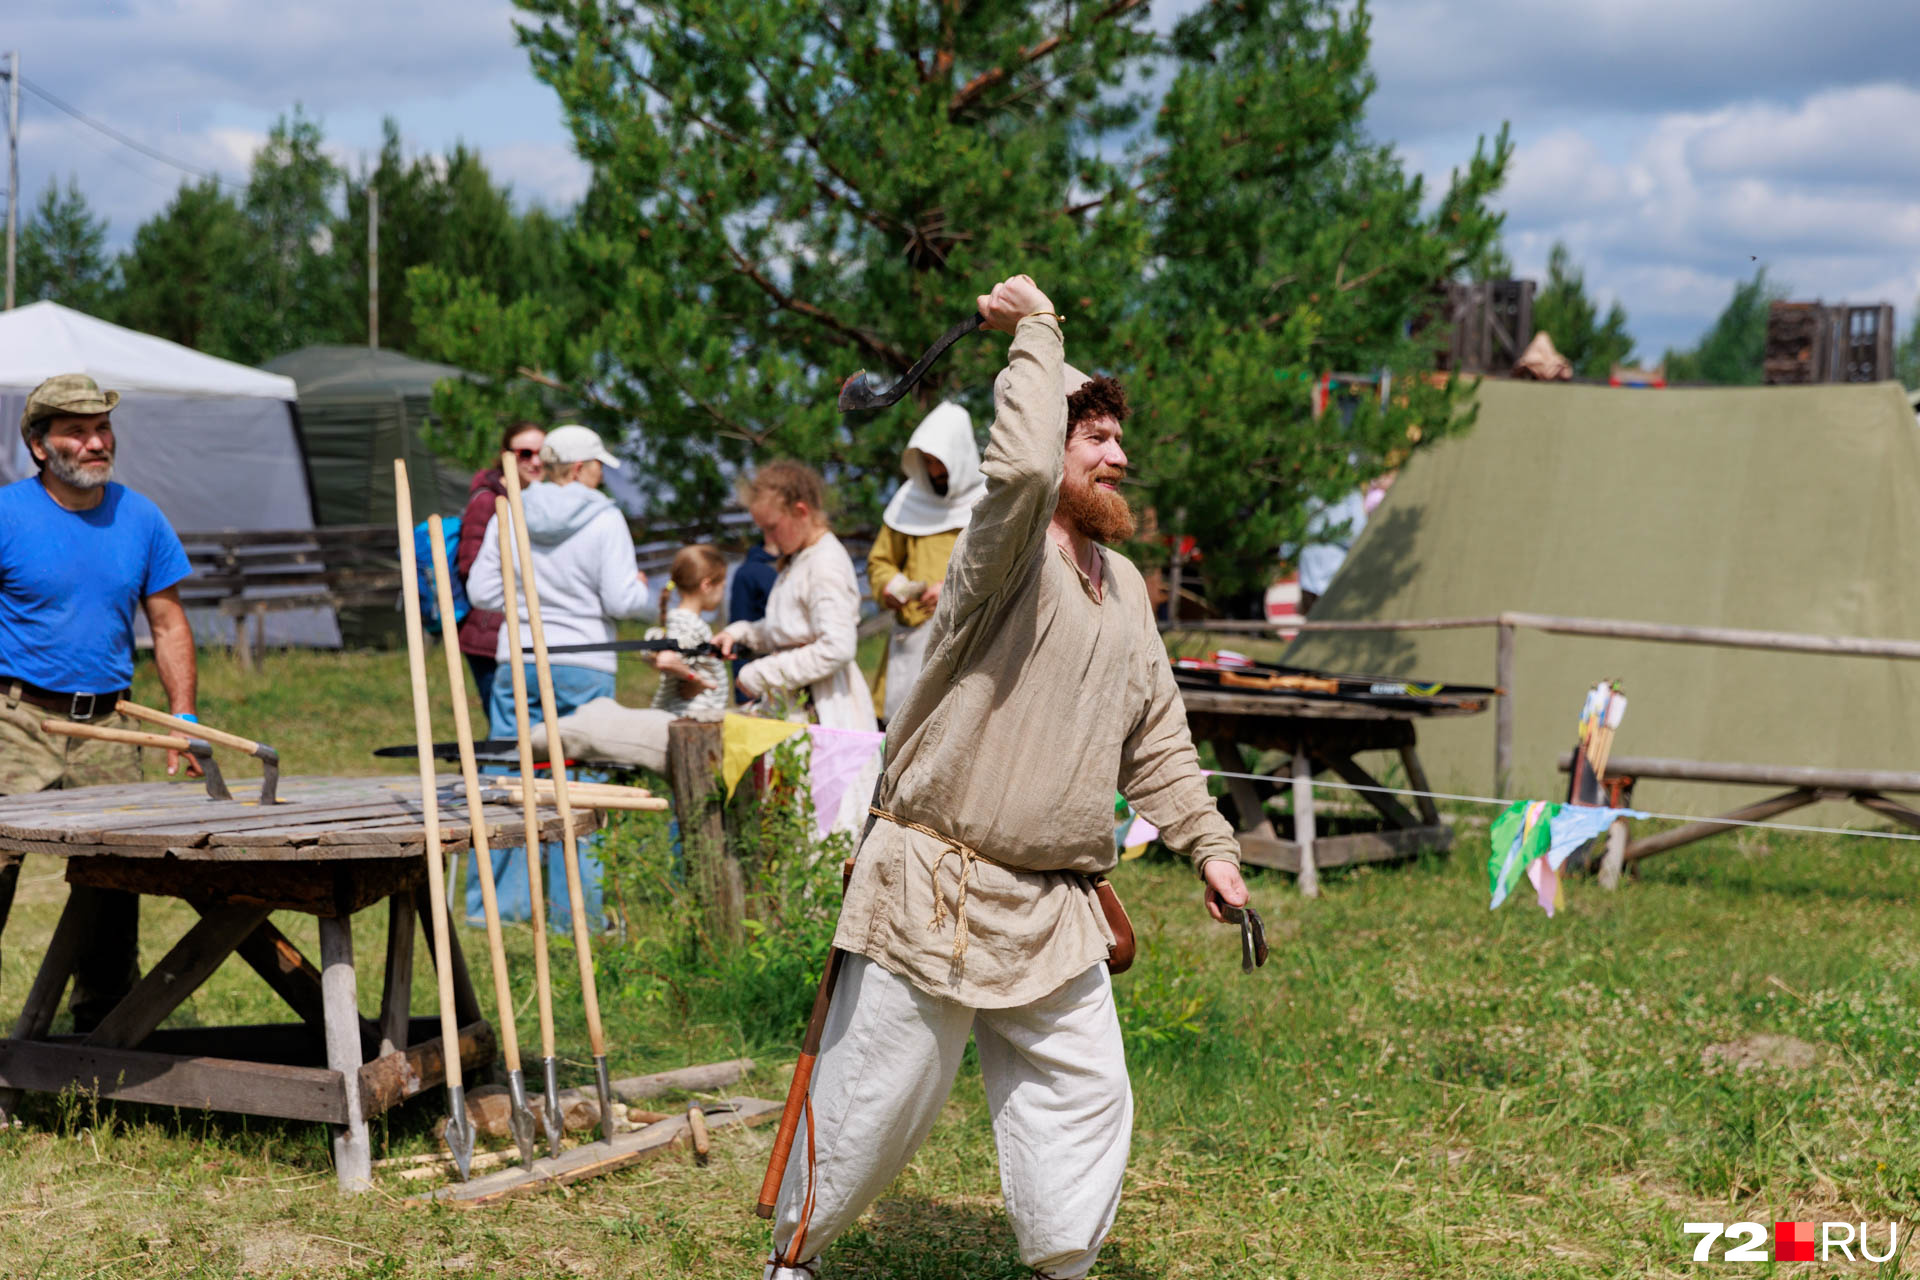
pixel 744 739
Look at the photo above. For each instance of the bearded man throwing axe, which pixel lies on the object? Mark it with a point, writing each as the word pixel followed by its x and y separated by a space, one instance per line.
pixel 971 907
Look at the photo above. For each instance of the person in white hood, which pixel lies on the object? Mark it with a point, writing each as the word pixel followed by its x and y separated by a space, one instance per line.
pixel 583 565
pixel 923 520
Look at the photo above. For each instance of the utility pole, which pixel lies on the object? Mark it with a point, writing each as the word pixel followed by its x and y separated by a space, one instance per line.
pixel 373 266
pixel 13 165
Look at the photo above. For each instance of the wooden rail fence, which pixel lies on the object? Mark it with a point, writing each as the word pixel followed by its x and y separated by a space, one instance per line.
pixel 1506 627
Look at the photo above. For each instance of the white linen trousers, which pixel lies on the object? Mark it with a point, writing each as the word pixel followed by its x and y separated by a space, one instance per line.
pixel 1056 1081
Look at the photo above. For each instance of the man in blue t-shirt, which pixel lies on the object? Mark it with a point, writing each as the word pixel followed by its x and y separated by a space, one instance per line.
pixel 78 553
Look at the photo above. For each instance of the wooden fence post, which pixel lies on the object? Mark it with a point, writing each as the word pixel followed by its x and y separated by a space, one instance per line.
pixel 693 768
pixel 1503 713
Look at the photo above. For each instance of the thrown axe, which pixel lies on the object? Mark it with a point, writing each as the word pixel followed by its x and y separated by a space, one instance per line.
pixel 859 395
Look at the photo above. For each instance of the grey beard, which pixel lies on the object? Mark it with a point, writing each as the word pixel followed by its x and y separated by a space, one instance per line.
pixel 72 474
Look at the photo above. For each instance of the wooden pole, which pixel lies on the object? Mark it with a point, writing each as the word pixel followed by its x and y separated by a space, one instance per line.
pixel 459 1128
pixel 520 1119
pixel 529 807
pixel 373 265
pixel 557 762
pixel 1503 676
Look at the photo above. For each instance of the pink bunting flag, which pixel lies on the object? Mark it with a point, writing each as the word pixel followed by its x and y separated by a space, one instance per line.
pixel 840 757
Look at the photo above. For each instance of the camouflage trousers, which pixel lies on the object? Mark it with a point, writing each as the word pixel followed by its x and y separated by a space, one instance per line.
pixel 33 760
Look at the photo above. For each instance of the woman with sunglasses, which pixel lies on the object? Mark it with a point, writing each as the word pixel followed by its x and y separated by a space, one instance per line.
pixel 480 630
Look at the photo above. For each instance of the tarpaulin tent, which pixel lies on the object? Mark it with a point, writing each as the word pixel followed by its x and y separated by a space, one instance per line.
pixel 215 444
pixel 1778 508
pixel 361 408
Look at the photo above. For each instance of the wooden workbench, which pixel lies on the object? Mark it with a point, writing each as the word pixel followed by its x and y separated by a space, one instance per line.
pixel 1322 735
pixel 332 847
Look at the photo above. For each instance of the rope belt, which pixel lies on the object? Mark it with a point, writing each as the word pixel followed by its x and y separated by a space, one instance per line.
pixel 968 855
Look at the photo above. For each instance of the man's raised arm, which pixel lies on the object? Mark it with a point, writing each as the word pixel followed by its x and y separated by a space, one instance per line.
pixel 1024 453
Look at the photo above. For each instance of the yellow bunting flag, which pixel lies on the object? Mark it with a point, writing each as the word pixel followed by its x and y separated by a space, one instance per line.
pixel 744 739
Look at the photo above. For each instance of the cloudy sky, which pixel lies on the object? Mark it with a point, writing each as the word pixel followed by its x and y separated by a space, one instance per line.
pixel 1675 145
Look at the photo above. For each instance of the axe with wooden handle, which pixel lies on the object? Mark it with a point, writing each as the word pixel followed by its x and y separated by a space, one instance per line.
pixel 859 395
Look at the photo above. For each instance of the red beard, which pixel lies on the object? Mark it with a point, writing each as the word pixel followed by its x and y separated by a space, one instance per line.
pixel 1100 514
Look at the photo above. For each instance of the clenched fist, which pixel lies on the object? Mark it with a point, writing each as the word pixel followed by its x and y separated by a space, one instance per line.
pixel 1012 300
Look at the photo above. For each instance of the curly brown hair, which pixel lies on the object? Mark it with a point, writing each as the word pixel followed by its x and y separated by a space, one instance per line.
pixel 1102 397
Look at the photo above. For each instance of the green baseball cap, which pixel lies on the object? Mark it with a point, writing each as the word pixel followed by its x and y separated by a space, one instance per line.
pixel 66 395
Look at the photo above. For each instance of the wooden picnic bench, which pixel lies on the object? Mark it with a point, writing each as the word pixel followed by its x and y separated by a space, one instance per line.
pixel 247 574
pixel 332 847
pixel 1321 735
pixel 1805 785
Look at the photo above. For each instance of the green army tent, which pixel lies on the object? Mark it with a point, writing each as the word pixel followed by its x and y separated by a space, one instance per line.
pixel 1780 508
pixel 360 409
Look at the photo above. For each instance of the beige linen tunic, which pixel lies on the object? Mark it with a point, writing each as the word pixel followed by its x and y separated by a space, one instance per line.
pixel 1039 699
pixel 809 638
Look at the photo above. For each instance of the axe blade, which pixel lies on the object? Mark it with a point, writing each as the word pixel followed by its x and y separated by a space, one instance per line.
pixel 858 394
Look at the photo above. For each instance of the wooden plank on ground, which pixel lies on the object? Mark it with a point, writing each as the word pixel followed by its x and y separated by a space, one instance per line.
pixel 591 1159
pixel 698 1079
pixel 388 1081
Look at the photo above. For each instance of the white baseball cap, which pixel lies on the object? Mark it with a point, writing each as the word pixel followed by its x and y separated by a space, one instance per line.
pixel 575 443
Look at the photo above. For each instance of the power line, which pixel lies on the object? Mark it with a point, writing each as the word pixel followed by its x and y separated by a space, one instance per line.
pixel 120 137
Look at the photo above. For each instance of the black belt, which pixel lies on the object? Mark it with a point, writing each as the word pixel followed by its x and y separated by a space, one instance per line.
pixel 74 706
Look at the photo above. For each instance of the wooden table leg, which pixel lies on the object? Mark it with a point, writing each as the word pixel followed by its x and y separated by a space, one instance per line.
pixel 272 955
pixel 1373 791
pixel 1615 857
pixel 1417 780
pixel 1250 812
pixel 178 975
pixel 56 969
pixel 1798 798
pixel 396 996
pixel 466 1004
pixel 352 1146
pixel 1303 823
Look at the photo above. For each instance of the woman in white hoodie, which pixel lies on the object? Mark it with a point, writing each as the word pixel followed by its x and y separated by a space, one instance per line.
pixel 583 564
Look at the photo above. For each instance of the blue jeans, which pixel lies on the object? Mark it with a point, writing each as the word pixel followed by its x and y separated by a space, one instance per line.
pixel 573 688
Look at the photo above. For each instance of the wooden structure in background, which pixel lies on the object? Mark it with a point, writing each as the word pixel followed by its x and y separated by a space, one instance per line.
pixel 1320 735
pixel 1804 785
pixel 1491 323
pixel 332 848
pixel 247 575
pixel 1810 342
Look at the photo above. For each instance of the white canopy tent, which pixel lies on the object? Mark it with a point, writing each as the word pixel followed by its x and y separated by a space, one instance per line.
pixel 215 444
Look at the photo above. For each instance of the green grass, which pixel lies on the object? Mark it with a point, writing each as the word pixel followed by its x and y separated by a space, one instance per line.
pixel 1412 1087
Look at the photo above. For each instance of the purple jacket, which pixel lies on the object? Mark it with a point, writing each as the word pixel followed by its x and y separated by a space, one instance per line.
pixel 480 631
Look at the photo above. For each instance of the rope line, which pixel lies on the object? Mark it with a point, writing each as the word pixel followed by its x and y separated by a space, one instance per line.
pixel 121 138
pixel 1502 804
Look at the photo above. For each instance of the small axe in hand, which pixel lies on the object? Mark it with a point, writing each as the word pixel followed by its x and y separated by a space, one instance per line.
pixel 859 395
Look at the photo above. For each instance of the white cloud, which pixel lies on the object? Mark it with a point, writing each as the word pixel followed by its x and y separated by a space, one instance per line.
pixel 1677 146
pixel 546 173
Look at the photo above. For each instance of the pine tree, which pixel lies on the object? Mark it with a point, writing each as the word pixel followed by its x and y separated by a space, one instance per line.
pixel 186 275
pixel 62 255
pixel 1591 345
pixel 786 192
pixel 1733 352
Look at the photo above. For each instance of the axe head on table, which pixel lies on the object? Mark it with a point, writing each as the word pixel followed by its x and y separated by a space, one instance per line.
pixel 858 394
